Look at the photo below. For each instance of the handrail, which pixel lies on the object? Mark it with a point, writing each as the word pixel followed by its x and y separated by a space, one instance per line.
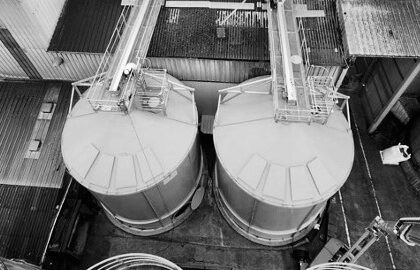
pixel 304 46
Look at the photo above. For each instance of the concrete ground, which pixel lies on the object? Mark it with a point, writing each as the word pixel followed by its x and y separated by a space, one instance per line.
pixel 205 240
pixel 374 189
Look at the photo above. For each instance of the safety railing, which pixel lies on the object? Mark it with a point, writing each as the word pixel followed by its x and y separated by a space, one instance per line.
pixel 322 97
pixel 111 47
pixel 144 89
pixel 322 100
pixel 125 53
pixel 151 90
pixel 304 45
pixel 230 93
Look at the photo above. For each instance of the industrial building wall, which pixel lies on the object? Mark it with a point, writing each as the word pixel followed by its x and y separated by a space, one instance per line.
pixel 76 66
pixel 381 78
pixel 31 24
pixel 193 69
pixel 9 67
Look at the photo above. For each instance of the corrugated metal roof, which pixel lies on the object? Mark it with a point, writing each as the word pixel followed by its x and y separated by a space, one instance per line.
pixel 27 213
pixel 379 28
pixel 322 34
pixel 192 33
pixel 86 26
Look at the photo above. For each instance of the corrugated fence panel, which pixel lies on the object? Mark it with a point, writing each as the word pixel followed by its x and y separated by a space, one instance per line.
pixel 9 67
pixel 211 70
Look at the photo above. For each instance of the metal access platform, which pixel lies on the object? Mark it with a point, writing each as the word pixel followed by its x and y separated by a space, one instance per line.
pixel 297 96
pixel 124 79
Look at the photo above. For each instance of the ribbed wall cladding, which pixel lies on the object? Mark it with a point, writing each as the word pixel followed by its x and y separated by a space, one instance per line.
pixel 27 206
pixel 194 69
pixel 9 67
pixel 32 24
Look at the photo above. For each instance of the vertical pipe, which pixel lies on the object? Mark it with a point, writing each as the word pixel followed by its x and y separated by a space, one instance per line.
pixel 285 52
pixel 55 220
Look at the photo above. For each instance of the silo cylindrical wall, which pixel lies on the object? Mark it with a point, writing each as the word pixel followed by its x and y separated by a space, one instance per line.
pixel 148 207
pixel 261 218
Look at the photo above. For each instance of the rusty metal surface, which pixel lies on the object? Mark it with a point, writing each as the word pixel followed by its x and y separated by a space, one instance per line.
pixel 381 28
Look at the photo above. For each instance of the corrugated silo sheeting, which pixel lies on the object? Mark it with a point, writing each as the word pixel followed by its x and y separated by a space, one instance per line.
pixel 193 69
pixel 9 67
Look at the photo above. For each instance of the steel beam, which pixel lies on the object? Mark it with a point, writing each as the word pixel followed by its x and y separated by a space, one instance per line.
pixel 415 70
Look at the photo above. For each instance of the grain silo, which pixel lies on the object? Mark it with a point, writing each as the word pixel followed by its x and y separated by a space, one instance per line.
pixel 283 145
pixel 274 178
pixel 131 139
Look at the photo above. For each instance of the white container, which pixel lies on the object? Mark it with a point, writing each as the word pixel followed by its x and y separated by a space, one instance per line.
pixel 395 154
